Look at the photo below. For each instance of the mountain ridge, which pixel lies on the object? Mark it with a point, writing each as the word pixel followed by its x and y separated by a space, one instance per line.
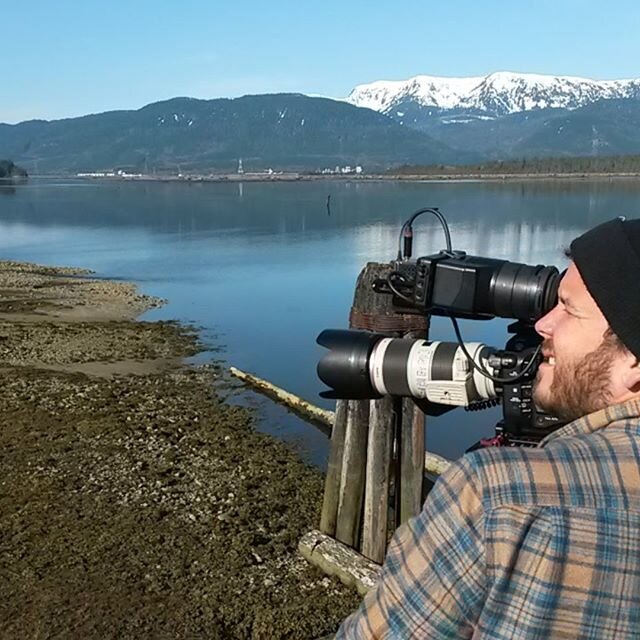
pixel 496 94
pixel 279 131
pixel 295 132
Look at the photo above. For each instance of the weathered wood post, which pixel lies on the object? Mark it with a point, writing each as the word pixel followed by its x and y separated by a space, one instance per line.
pixel 356 498
pixel 352 477
pixel 329 514
pixel 412 448
pixel 379 464
pixel 412 451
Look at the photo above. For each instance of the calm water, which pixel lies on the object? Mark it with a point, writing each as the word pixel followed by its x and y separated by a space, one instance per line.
pixel 262 268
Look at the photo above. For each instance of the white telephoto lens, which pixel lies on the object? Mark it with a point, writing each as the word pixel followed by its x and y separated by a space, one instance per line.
pixel 437 371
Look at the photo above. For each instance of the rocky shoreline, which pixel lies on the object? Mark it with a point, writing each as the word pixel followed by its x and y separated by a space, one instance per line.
pixel 134 503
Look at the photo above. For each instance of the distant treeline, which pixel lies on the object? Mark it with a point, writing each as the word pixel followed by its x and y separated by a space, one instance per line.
pixel 10 170
pixel 546 166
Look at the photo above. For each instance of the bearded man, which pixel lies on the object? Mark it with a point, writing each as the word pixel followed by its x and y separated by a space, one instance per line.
pixel 540 542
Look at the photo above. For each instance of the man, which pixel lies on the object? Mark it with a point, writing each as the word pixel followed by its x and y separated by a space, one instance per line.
pixel 542 542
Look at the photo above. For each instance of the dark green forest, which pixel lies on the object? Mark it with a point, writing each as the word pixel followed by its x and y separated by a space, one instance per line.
pixel 629 164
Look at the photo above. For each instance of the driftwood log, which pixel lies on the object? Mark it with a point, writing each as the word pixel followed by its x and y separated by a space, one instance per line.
pixel 433 463
pixel 337 559
pixel 295 403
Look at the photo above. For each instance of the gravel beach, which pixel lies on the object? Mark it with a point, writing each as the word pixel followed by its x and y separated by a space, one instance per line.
pixel 134 503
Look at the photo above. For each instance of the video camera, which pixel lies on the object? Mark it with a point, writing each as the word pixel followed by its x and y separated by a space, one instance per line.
pixel 440 376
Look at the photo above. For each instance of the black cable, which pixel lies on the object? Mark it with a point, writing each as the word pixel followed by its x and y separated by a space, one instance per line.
pixel 436 212
pixel 481 369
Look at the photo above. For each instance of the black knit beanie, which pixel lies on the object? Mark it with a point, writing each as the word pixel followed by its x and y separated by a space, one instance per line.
pixel 608 259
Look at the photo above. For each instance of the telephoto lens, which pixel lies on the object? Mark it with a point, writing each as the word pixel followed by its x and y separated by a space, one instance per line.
pixel 361 365
pixel 522 291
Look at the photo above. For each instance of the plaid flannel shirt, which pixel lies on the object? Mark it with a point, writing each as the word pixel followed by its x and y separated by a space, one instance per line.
pixel 522 543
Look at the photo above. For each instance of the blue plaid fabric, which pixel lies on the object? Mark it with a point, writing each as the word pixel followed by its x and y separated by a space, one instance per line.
pixel 522 543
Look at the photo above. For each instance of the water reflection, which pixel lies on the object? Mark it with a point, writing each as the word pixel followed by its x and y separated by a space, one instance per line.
pixel 520 241
pixel 271 207
pixel 263 268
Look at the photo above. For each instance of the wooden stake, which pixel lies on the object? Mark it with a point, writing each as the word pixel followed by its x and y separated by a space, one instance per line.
pixel 411 460
pixel 329 516
pixel 353 473
pixel 376 500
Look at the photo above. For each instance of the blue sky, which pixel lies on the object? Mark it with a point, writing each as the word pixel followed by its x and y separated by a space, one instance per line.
pixel 64 58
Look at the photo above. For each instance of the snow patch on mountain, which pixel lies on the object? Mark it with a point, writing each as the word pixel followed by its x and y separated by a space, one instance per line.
pixel 499 93
pixel 428 90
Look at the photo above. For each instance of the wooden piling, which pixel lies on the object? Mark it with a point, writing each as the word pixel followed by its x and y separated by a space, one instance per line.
pixel 412 447
pixel 378 465
pixel 412 443
pixel 362 440
pixel 344 484
pixel 329 516
pixel 352 477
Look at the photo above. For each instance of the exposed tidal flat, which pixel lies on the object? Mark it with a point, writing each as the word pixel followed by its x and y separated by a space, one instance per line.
pixel 134 502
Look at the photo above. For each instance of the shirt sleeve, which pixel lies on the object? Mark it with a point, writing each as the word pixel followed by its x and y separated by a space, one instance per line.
pixel 433 583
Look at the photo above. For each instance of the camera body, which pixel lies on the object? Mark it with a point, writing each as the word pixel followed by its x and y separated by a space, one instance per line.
pixel 440 376
pixel 452 283
pixel 522 424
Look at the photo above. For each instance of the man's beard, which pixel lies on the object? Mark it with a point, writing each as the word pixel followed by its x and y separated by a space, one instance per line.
pixel 580 388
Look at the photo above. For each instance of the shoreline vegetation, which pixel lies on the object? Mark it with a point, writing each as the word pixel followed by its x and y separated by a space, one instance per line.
pixel 135 502
pixel 12 173
pixel 530 168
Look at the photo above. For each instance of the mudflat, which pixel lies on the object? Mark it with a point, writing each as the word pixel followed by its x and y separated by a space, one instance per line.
pixel 134 502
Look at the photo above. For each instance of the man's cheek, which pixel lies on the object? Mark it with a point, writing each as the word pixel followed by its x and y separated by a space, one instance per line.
pixel 544 375
pixel 542 383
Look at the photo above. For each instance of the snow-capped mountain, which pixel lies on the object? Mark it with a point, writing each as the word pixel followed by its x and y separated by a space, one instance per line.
pixel 497 94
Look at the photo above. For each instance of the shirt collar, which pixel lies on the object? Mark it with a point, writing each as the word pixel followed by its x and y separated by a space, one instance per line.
pixel 597 420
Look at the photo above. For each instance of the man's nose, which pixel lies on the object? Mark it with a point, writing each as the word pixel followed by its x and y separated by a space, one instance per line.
pixel 545 325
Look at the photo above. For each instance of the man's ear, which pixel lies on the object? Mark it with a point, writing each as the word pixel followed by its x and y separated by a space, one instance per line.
pixel 631 376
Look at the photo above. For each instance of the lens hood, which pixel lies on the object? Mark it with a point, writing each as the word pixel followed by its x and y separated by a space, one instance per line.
pixel 345 368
